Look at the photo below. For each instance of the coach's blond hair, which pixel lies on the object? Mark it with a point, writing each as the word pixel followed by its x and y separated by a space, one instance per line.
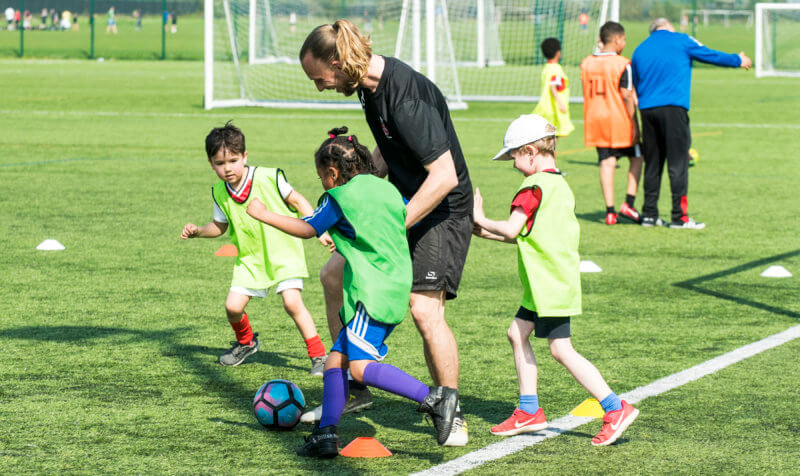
pixel 342 42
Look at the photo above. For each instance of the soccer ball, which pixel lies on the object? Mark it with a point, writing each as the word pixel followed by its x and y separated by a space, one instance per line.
pixel 278 404
pixel 694 157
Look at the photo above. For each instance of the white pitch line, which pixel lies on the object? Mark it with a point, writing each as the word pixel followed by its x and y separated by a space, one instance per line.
pixel 322 115
pixel 566 423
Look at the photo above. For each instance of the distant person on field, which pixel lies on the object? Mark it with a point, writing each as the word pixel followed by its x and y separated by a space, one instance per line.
pixel 554 100
pixel 54 20
pixel 662 76
pixel 112 22
pixel 609 117
pixel 9 12
pixel 137 15
pixel 43 25
pixel 17 19
pixel 583 20
pixel 174 28
pixel 66 20
pixel 75 26
pixel 292 22
pixel 27 20
pixel 542 224
pixel 266 257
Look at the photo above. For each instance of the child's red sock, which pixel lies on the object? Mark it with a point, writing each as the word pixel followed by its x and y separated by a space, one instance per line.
pixel 244 333
pixel 315 347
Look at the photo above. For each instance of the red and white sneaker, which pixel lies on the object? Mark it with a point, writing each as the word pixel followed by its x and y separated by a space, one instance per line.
pixel 630 213
pixel 521 422
pixel 611 218
pixel 614 423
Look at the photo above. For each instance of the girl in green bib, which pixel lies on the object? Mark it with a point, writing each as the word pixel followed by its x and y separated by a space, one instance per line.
pixel 543 226
pixel 266 256
pixel 365 216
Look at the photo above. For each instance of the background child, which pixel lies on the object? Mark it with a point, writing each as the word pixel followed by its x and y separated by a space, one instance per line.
pixel 609 113
pixel 543 225
pixel 366 219
pixel 266 256
pixel 554 100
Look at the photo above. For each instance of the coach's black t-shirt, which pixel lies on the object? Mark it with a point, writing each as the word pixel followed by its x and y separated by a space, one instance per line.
pixel 411 123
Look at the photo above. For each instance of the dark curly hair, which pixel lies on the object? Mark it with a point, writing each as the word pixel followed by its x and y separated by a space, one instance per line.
pixel 344 153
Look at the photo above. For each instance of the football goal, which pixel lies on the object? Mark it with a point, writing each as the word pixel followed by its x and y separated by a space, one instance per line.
pixel 777 39
pixel 474 50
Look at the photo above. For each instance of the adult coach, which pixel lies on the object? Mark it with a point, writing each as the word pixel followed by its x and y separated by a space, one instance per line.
pixel 662 76
pixel 410 121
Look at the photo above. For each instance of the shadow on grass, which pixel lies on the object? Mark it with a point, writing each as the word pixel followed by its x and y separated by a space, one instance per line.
pixel 217 380
pixel 694 284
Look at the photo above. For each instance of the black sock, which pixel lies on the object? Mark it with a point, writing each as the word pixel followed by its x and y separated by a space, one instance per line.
pixel 629 199
pixel 611 210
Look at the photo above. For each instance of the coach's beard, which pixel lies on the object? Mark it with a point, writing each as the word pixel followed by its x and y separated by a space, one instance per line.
pixel 349 89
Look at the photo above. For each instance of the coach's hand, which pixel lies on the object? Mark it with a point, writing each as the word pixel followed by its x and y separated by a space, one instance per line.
pixel 477 207
pixel 746 62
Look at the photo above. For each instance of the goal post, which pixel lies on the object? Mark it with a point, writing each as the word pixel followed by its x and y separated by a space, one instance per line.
pixel 777 39
pixel 474 50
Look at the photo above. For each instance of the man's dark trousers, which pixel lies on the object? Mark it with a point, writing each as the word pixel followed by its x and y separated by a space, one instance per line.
pixel 666 135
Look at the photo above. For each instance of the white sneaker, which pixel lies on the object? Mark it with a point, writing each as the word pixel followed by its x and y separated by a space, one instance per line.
pixel 689 224
pixel 459 434
pixel 309 417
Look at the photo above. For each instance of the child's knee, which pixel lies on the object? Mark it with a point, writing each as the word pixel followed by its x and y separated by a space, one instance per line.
pixel 561 349
pixel 292 301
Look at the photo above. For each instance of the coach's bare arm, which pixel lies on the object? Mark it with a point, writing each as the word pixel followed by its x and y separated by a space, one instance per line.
pixel 440 180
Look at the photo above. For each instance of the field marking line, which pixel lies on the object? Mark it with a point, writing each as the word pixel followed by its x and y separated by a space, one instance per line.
pixel 512 445
pixel 326 115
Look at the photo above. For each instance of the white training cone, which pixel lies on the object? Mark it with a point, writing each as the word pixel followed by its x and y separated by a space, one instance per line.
pixel 590 267
pixel 776 272
pixel 50 245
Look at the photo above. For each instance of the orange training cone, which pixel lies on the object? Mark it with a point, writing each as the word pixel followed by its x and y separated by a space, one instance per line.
pixel 365 447
pixel 227 250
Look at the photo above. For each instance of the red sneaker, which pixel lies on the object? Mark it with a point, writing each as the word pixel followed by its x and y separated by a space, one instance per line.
pixel 611 218
pixel 614 423
pixel 630 213
pixel 521 422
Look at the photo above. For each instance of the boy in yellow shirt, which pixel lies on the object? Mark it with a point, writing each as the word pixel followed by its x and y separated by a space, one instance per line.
pixel 554 100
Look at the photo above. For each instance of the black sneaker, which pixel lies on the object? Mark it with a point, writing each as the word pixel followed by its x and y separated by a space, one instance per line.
pixel 652 221
pixel 321 443
pixel 441 405
pixel 238 352
pixel 357 400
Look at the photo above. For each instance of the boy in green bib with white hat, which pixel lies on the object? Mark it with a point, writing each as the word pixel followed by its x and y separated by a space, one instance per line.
pixel 267 257
pixel 543 226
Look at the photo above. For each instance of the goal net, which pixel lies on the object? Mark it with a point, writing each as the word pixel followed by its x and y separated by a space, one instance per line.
pixel 777 39
pixel 474 50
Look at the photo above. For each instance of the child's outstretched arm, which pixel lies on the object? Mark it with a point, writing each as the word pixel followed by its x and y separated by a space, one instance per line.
pixel 297 201
pixel 506 231
pixel 291 225
pixel 209 230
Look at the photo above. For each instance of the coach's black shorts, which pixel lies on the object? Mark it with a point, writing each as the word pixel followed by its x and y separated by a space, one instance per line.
pixel 605 152
pixel 545 327
pixel 438 253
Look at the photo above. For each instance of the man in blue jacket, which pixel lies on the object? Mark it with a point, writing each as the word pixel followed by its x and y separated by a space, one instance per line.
pixel 662 75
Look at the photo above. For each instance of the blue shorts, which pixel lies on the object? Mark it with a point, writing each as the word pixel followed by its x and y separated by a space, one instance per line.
pixel 362 338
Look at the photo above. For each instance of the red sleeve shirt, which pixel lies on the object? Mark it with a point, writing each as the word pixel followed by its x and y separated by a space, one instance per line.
pixel 528 200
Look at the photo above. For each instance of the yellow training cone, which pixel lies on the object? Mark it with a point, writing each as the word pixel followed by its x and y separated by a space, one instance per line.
pixel 589 408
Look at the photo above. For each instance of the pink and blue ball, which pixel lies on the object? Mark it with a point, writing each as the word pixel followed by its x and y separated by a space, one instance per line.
pixel 278 404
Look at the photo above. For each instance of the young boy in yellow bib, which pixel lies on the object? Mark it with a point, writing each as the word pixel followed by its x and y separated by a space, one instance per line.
pixel 543 226
pixel 267 257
